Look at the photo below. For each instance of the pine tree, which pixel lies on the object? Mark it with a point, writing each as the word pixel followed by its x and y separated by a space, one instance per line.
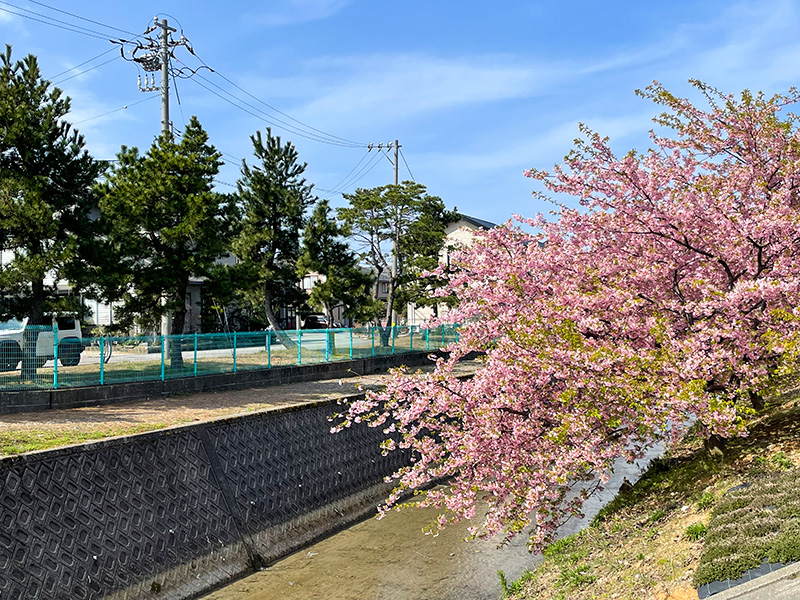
pixel 326 252
pixel 46 180
pixel 163 224
pixel 400 229
pixel 274 197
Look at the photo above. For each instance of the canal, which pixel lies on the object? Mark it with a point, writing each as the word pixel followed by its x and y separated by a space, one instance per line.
pixel 392 559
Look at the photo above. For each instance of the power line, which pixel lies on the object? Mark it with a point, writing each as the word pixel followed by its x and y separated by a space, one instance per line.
pixel 336 187
pixel 358 176
pixel 330 135
pixel 135 35
pixel 343 141
pixel 362 174
pixel 80 65
pixel 53 21
pixel 224 183
pixel 261 115
pixel 179 133
pixel 269 118
pixel 115 110
pixel 403 156
pixel 386 156
pixel 87 70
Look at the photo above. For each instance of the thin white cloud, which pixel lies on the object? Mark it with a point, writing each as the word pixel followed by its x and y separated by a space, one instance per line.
pixel 381 88
pixel 13 23
pixel 750 45
pixel 540 150
pixel 290 12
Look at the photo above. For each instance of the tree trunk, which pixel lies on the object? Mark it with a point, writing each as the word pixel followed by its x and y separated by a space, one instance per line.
pixel 757 400
pixel 176 340
pixel 715 444
pixel 273 321
pixel 36 321
pixel 386 332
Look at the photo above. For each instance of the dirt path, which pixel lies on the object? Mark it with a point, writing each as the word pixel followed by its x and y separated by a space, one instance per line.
pixel 25 432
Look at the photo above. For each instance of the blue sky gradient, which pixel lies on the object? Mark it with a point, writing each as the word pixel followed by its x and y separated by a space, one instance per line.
pixel 475 92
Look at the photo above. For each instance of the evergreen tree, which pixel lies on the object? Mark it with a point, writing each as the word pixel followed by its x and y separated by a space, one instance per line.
pixel 326 252
pixel 400 229
pixel 162 224
pixel 274 197
pixel 46 180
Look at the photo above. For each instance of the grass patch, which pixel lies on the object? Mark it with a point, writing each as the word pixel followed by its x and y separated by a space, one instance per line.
pixel 648 541
pixel 42 439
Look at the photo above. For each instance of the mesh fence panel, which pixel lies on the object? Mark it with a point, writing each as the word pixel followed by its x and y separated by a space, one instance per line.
pixel 25 357
pixel 37 358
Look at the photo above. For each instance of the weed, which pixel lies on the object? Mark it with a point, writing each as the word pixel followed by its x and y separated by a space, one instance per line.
pixel 515 586
pixel 781 461
pixel 618 526
pixel 503 583
pixel 706 501
pixel 695 532
pixel 575 577
pixel 656 516
pixel 560 547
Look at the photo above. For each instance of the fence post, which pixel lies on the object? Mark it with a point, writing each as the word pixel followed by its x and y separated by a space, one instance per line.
pixel 411 338
pixel 394 333
pixel 102 358
pixel 195 354
pixel 234 351
pixel 351 342
pixel 327 345
pixel 269 349
pixel 162 358
pixel 299 346
pixel 372 335
pixel 442 336
pixel 55 355
pixel 427 339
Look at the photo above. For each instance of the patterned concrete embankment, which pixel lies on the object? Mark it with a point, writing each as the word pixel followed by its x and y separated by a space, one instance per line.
pixel 172 513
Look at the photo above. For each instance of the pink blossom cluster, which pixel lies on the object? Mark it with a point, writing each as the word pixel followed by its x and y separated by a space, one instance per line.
pixel 670 296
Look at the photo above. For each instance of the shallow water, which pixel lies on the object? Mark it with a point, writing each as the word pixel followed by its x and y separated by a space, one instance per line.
pixel 392 559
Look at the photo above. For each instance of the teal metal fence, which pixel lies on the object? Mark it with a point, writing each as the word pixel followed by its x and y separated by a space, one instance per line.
pixel 39 360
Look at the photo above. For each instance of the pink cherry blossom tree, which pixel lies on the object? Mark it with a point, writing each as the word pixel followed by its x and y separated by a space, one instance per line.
pixel 670 297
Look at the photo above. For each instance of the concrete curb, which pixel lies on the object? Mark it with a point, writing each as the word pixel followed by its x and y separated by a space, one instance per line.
pixel 783 584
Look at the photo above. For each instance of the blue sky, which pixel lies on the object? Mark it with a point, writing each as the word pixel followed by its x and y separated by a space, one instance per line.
pixel 475 92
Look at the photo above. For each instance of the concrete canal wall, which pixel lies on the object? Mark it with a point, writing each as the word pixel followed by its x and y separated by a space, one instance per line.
pixel 173 513
pixel 73 397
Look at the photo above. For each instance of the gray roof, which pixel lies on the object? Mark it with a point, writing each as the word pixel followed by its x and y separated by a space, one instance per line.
pixel 479 222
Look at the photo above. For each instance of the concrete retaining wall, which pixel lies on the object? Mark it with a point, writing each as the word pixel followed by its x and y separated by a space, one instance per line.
pixel 36 400
pixel 173 513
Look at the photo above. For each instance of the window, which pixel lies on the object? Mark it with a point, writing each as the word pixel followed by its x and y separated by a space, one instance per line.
pixel 66 322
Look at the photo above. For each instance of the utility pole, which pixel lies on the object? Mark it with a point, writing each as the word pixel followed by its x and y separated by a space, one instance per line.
pixel 389 146
pixel 155 55
pixel 165 31
pixel 396 233
pixel 166 320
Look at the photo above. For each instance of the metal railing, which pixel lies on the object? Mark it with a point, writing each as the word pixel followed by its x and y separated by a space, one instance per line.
pixel 40 360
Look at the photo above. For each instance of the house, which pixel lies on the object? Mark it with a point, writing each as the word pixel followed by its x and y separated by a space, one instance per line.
pixel 457 234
